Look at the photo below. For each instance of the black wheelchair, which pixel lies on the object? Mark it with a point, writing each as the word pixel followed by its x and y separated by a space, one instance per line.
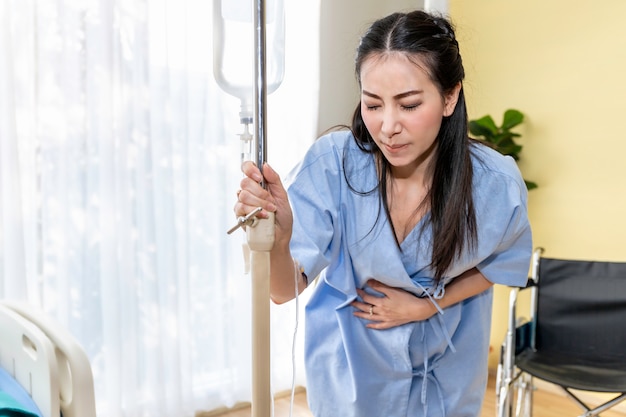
pixel 573 337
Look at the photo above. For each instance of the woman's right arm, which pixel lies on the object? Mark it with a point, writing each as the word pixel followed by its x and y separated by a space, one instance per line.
pixel 272 198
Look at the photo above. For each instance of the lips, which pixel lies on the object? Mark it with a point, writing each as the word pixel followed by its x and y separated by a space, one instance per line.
pixel 395 148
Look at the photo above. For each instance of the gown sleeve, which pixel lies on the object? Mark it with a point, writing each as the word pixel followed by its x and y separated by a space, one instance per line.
pixel 505 238
pixel 314 188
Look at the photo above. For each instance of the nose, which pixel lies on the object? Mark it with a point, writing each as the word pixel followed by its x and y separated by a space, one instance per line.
pixel 390 123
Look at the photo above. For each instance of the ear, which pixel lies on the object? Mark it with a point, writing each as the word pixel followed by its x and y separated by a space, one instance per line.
pixel 450 100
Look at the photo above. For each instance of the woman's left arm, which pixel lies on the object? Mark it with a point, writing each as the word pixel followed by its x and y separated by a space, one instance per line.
pixel 397 306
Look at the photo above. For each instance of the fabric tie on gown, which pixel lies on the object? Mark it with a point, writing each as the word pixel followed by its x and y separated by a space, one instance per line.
pixel 427 373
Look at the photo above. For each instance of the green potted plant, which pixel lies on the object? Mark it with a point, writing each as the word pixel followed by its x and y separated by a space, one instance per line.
pixel 501 138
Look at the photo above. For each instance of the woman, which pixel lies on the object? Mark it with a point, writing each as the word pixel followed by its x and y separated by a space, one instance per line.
pixel 408 224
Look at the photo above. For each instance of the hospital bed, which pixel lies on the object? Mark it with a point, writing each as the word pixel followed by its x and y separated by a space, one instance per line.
pixel 43 369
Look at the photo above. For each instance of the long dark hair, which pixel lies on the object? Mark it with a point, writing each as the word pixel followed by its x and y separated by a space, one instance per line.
pixel 452 218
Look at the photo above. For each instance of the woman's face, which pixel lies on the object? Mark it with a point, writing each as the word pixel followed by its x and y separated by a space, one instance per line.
pixel 402 109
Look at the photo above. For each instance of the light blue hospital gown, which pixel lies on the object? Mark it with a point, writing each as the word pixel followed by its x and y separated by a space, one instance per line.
pixel 436 367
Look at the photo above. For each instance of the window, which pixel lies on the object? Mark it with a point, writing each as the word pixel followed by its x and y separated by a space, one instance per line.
pixel 119 166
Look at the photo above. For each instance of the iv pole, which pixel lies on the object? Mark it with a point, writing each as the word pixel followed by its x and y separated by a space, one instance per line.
pixel 260 237
pixel 259 233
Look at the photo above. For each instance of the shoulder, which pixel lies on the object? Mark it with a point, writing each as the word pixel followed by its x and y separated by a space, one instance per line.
pixel 335 142
pixel 328 153
pixel 334 164
pixel 494 171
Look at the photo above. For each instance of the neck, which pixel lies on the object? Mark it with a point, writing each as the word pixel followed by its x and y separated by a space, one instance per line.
pixel 407 203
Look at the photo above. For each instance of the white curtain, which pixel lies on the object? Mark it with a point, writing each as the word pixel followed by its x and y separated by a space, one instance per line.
pixel 119 162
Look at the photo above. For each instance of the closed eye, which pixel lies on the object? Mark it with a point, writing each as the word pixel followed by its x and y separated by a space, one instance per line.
pixel 372 105
pixel 411 107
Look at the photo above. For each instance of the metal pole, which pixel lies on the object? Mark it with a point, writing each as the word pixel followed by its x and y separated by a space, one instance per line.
pixel 260 240
pixel 260 82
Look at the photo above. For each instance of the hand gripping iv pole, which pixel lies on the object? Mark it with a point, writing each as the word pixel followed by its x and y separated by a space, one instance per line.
pixel 260 234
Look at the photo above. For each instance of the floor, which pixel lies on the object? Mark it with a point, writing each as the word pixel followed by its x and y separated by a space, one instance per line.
pixel 547 404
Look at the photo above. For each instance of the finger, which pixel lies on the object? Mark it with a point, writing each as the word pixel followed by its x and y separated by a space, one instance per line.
pixel 268 174
pixel 250 170
pixel 271 181
pixel 367 298
pixel 379 287
pixel 380 325
pixel 365 315
pixel 361 307
pixel 252 194
pixel 242 210
pixel 251 188
pixel 363 295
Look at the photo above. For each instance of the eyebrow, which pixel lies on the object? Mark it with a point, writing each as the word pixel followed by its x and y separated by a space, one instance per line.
pixel 397 96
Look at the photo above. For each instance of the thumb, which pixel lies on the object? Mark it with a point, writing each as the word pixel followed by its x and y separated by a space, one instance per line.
pixel 274 185
pixel 273 181
pixel 270 176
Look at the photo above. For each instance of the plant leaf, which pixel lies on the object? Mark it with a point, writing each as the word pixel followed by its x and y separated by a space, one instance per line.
pixel 501 138
pixel 530 185
pixel 512 118
pixel 511 150
pixel 485 126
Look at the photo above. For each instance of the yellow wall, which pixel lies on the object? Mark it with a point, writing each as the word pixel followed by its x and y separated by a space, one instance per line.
pixel 563 64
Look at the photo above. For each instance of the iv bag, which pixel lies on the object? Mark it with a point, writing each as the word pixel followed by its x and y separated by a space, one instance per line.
pixel 234 47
